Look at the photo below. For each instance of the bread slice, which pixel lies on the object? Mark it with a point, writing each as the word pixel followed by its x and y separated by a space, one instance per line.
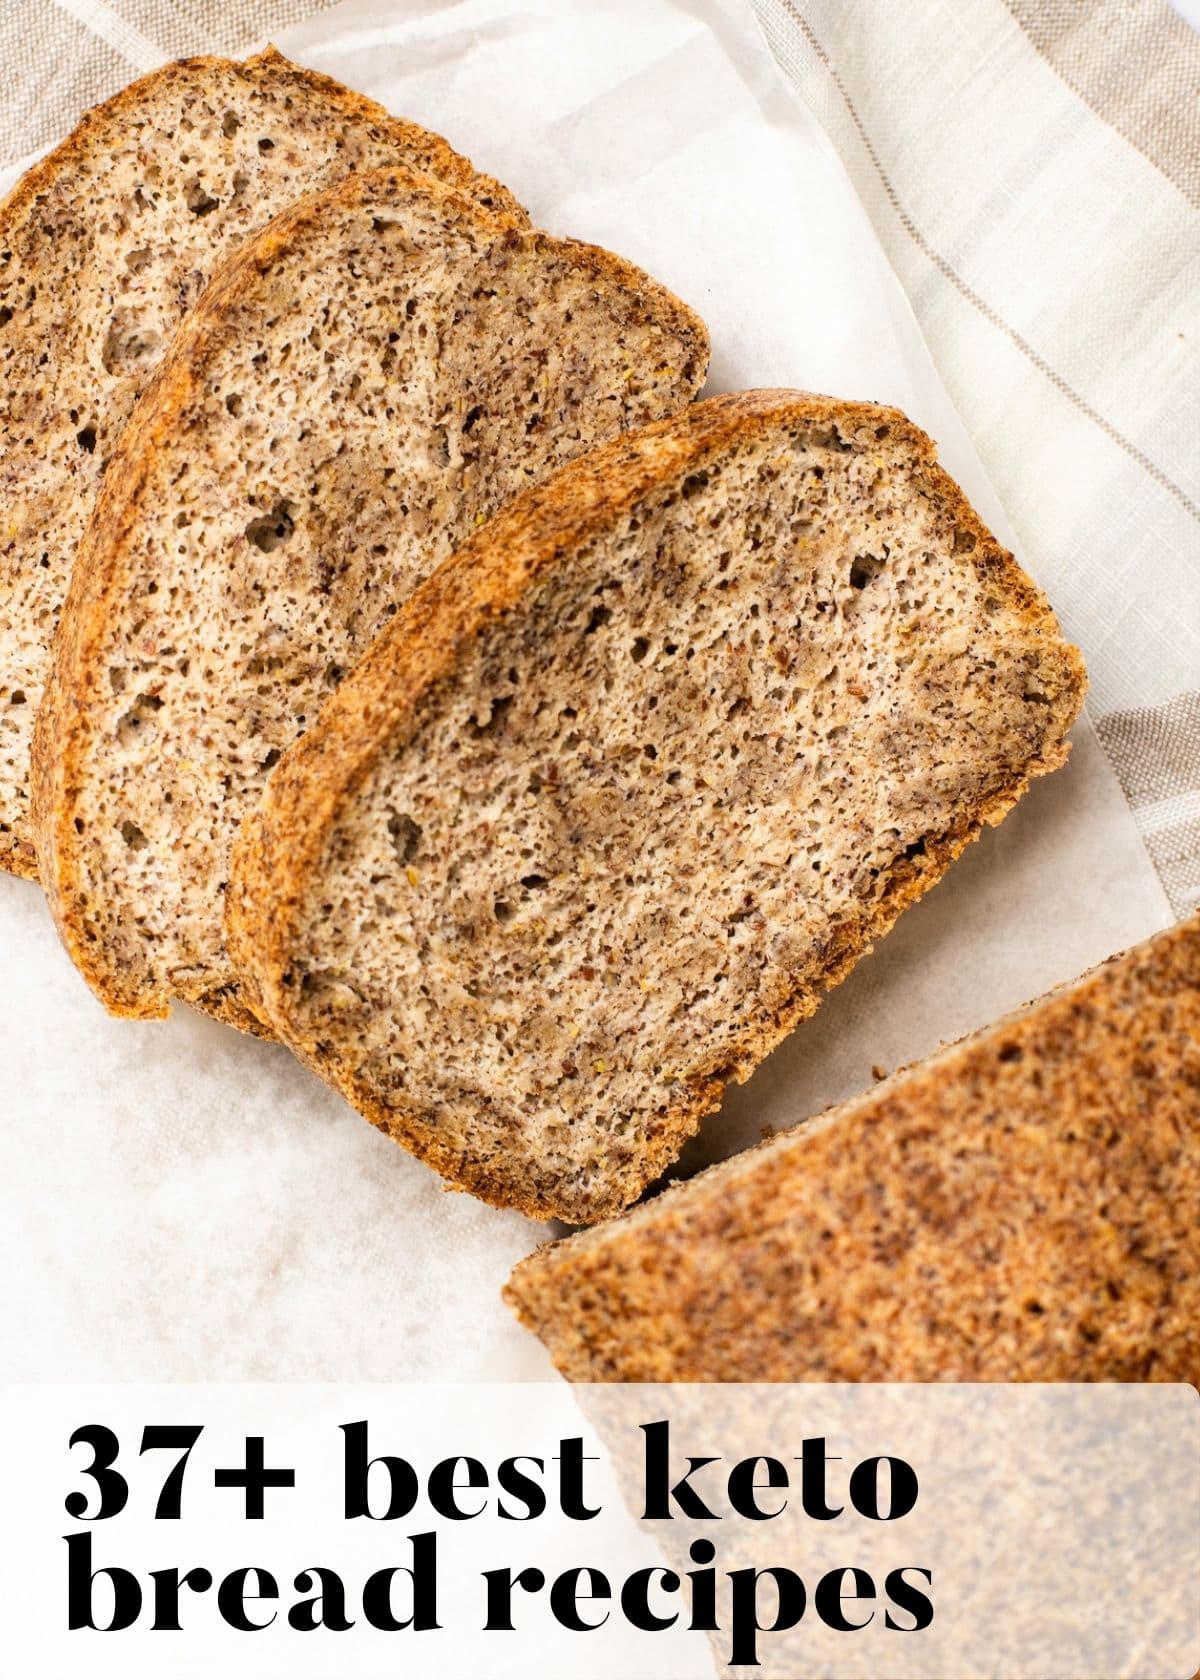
pixel 361 386
pixel 104 247
pixel 1022 1207
pixel 633 780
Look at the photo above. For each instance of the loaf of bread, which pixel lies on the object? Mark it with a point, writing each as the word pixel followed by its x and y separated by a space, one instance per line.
pixel 635 778
pixel 104 246
pixel 1023 1206
pixel 362 385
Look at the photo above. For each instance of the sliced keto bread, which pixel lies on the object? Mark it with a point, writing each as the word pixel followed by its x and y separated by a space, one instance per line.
pixel 104 247
pixel 633 780
pixel 1021 1207
pixel 362 385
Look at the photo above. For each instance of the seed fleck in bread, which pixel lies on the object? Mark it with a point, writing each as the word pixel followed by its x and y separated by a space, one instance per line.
pixel 1023 1206
pixel 362 385
pixel 104 247
pixel 633 780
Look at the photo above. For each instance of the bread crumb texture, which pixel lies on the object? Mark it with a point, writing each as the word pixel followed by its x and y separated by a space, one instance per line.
pixel 1022 1207
pixel 363 385
pixel 633 780
pixel 104 247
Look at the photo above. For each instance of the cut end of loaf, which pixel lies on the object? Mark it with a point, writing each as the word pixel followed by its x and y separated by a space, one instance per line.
pixel 634 780
pixel 904 1236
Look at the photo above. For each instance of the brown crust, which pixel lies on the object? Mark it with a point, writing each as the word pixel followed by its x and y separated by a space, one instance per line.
pixel 20 857
pixel 281 844
pixel 1023 1206
pixel 62 731
pixel 17 855
pixel 228 1008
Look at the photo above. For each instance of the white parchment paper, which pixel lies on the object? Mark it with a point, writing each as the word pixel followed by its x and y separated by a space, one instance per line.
pixel 179 1202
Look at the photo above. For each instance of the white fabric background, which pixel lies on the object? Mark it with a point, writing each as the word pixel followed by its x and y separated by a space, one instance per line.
pixel 183 1203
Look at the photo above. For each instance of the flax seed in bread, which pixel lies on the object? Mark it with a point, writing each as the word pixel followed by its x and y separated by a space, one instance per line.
pixel 104 247
pixel 361 386
pixel 633 780
pixel 1021 1207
